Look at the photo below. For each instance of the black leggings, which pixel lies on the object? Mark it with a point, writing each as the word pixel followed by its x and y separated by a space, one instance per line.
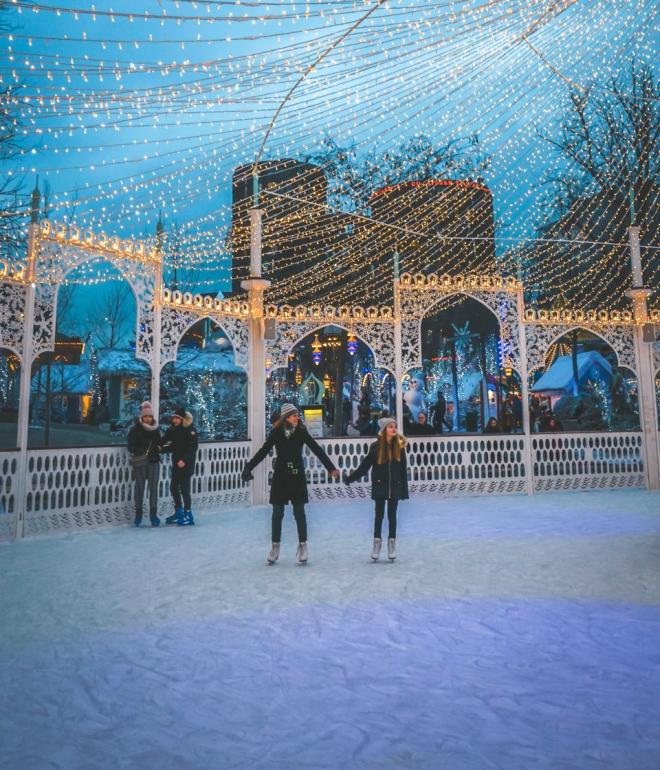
pixel 299 515
pixel 391 516
pixel 180 487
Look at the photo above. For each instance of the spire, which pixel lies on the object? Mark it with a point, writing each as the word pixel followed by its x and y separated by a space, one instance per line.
pixel 35 203
pixel 159 231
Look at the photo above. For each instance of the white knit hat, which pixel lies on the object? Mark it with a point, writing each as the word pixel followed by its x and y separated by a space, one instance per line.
pixel 146 410
pixel 384 422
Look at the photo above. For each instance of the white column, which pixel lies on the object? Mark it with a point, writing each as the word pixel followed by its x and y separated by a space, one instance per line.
pixel 528 455
pixel 155 353
pixel 26 376
pixel 645 370
pixel 255 286
pixel 398 364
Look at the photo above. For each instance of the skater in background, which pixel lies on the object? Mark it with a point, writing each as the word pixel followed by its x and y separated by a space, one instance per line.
pixel 492 426
pixel 289 485
pixel 421 427
pixel 143 445
pixel 181 440
pixel 389 481
pixel 439 412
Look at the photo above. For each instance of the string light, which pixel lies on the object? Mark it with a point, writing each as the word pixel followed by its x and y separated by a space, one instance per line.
pixel 164 129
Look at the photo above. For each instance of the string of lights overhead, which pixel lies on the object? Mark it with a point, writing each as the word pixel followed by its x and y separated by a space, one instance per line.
pixel 125 126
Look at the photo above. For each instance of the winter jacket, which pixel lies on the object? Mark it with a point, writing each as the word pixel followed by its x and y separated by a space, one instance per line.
pixel 288 483
pixel 440 409
pixel 182 441
pixel 144 440
pixel 389 481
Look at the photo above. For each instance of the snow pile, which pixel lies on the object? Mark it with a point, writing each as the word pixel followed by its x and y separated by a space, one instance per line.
pixel 511 633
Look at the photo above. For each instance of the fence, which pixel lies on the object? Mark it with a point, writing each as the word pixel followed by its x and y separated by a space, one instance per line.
pixel 73 489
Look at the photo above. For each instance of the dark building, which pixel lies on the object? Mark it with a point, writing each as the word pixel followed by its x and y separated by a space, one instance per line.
pixel 434 225
pixel 443 225
pixel 290 225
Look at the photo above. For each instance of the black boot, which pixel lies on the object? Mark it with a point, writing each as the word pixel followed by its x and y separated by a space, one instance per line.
pixel 138 519
pixel 155 521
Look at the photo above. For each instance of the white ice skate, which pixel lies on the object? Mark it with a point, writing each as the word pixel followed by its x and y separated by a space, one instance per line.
pixel 375 551
pixel 274 553
pixel 302 553
pixel 391 548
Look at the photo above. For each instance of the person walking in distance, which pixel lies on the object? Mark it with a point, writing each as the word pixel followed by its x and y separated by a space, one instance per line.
pixel 181 440
pixel 439 412
pixel 143 446
pixel 389 481
pixel 289 485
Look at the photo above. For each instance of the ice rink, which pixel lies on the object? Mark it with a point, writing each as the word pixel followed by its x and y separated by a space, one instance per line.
pixel 511 633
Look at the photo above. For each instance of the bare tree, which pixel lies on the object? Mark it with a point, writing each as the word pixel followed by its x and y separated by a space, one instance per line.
pixel 12 210
pixel 353 179
pixel 606 179
pixel 110 319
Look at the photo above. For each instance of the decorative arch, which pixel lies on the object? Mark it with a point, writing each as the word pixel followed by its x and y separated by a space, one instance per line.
pixel 59 260
pixel 541 336
pixel 378 336
pixel 416 304
pixel 175 322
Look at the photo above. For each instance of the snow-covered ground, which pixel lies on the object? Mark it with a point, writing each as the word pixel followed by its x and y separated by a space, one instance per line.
pixel 513 633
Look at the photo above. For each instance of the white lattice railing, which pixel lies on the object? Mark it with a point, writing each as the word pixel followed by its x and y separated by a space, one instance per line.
pixel 460 465
pixel 8 488
pixel 90 487
pixel 587 460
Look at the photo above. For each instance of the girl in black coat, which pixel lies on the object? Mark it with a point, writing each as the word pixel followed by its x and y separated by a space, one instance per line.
pixel 389 481
pixel 289 484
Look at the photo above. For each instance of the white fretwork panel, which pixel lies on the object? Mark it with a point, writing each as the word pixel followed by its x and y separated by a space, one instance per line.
pixel 541 336
pixel 377 335
pixel 175 322
pixel 69 489
pixel 417 302
pixel 8 488
pixel 56 260
pixel 584 461
pixel 12 312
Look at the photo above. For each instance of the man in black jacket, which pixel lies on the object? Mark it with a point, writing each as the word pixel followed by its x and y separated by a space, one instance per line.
pixel 181 440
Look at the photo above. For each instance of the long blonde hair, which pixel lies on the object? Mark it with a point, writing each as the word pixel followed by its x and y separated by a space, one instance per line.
pixel 388 451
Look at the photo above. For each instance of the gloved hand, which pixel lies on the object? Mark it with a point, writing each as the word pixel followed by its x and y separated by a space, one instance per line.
pixel 246 475
pixel 344 478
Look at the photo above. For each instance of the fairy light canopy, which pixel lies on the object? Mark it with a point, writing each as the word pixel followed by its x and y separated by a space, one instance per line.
pixel 129 111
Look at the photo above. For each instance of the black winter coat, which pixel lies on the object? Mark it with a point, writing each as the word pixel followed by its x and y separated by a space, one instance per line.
pixel 389 481
pixel 142 441
pixel 182 442
pixel 289 483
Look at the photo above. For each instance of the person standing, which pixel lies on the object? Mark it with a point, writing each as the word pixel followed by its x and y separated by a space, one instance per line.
pixel 439 412
pixel 389 481
pixel 143 445
pixel 181 440
pixel 288 485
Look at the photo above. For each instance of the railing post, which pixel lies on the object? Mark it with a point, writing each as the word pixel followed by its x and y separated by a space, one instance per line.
pixel 524 381
pixel 644 359
pixel 255 286
pixel 22 436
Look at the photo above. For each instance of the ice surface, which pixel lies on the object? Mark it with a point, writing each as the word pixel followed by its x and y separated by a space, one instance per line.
pixel 513 633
